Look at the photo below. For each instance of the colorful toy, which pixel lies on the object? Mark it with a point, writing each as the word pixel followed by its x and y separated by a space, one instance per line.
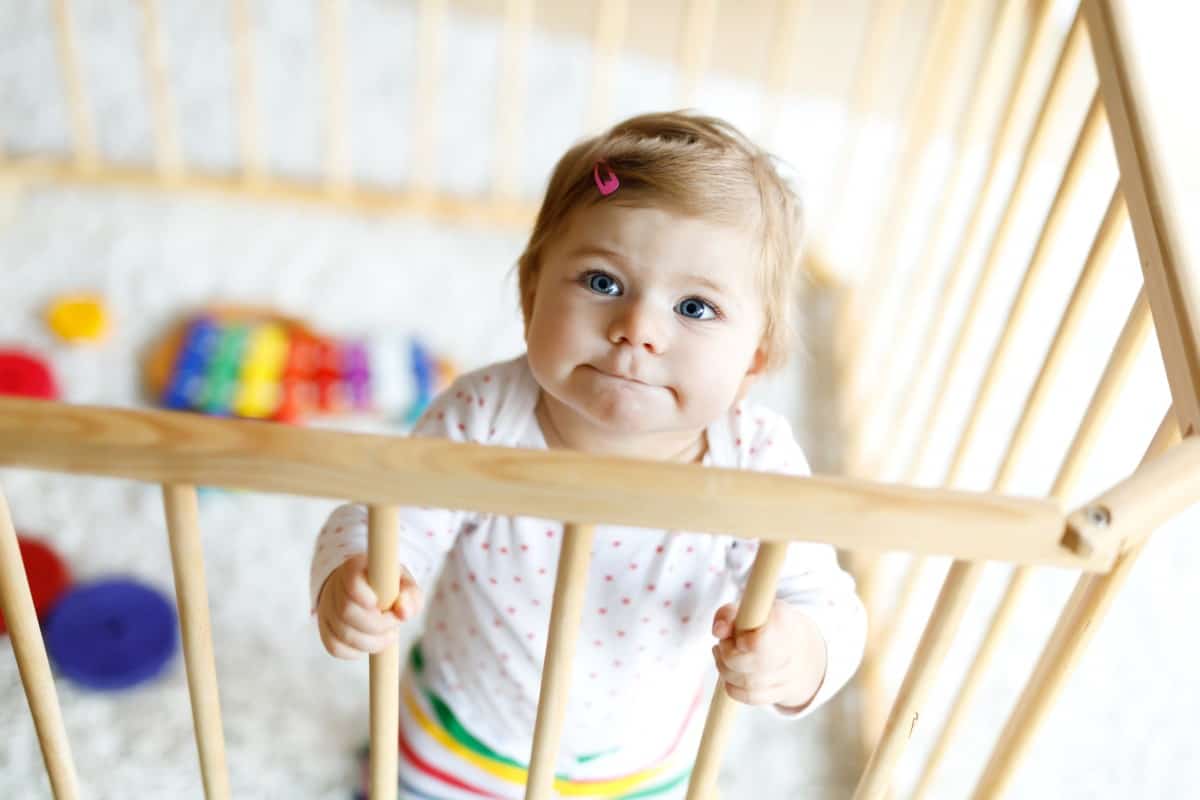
pixel 112 634
pixel 47 574
pixel 24 374
pixel 78 318
pixel 261 365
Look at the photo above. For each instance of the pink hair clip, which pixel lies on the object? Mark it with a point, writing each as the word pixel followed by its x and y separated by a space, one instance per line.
pixel 606 185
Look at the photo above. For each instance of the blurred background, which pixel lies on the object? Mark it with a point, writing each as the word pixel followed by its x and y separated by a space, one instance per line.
pixel 363 174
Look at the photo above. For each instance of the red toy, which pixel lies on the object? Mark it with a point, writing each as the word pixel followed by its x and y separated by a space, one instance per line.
pixel 48 576
pixel 23 374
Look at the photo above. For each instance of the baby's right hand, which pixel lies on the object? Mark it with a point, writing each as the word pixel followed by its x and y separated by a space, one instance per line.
pixel 348 613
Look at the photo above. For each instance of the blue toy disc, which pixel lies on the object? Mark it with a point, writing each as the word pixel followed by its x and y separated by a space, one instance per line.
pixel 111 634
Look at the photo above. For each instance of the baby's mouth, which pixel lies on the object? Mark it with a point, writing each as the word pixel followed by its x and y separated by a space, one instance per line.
pixel 621 376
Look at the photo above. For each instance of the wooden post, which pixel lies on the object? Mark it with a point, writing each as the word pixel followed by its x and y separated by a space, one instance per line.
pixel 1172 278
pixel 1077 624
pixel 430 45
pixel 1081 157
pixel 1099 257
pixel 191 597
pixel 611 20
pixel 249 137
pixel 337 152
pixel 1172 292
pixel 753 611
pixel 30 651
pixel 781 67
pixel 570 588
pixel 1005 139
pixel 1129 344
pixel 81 114
pixel 168 158
pixel 1070 52
pixel 877 45
pixel 1034 151
pixel 510 104
pixel 383 573
pixel 699 23
pixel 963 577
pixel 923 118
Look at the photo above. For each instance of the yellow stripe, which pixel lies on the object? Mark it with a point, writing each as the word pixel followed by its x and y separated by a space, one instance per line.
pixel 507 772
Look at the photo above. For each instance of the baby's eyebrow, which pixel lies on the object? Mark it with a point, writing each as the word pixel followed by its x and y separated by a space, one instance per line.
pixel 706 281
pixel 599 250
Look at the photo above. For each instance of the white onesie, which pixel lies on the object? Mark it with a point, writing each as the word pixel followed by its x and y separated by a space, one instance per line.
pixel 642 666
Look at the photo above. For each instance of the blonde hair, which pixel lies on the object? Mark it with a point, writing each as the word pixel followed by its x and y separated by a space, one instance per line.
pixel 696 165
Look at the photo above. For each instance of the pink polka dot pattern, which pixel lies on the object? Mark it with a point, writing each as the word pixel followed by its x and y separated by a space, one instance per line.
pixel 648 602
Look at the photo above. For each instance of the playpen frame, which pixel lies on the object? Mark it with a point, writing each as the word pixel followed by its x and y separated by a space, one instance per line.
pixel 1102 538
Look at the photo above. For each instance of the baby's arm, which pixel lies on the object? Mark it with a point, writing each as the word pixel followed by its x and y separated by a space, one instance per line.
pixel 348 616
pixel 810 645
pixel 815 635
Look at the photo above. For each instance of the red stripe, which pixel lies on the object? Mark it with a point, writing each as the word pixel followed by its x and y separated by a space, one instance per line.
pixel 433 771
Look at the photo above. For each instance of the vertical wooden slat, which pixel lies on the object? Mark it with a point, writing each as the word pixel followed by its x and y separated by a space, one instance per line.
pixel 21 618
pixel 518 20
pixel 1085 288
pixel 1080 160
pixel 699 24
pixel 1034 151
pixel 753 610
pixel 871 671
pixel 781 66
pixel 1089 137
pixel 168 159
pixel 191 596
pixel 877 46
pixel 1172 281
pixel 570 587
pixel 1002 141
pixel 81 115
pixel 1078 623
pixel 963 578
pixel 383 573
pixel 249 135
pixel 333 56
pixel 1068 475
pixel 611 20
pixel 921 119
pixel 967 129
pixel 431 24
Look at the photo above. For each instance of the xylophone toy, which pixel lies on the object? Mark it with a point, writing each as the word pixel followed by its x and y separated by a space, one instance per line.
pixel 261 365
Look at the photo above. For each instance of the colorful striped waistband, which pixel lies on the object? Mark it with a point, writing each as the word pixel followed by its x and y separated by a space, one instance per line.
pixel 443 756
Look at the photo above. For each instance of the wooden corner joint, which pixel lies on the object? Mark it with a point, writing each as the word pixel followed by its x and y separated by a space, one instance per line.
pixel 1089 532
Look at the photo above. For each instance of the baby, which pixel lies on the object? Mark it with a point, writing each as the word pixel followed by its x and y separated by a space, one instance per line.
pixel 656 289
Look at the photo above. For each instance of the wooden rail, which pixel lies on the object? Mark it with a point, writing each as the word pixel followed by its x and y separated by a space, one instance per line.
pixel 177 447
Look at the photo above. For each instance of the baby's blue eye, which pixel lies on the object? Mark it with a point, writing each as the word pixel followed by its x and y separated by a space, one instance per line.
pixel 695 308
pixel 602 283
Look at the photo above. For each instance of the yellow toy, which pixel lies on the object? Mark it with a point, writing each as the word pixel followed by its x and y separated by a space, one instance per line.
pixel 78 318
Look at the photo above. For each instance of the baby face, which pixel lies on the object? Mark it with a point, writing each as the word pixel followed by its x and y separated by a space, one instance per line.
pixel 645 322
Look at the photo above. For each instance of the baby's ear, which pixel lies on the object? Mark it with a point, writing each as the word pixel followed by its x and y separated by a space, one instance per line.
pixel 758 367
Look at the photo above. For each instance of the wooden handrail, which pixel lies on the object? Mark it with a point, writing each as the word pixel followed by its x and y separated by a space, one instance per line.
pixel 178 447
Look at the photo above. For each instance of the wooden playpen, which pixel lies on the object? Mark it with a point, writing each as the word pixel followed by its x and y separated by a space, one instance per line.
pixel 863 517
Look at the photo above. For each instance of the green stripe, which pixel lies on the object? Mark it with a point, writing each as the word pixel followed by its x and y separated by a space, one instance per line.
pixel 662 787
pixel 450 723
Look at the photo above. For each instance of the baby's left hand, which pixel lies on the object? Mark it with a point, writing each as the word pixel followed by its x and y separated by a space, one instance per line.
pixel 782 662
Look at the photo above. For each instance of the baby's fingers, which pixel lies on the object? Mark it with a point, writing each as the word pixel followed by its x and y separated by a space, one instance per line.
pixel 369 621
pixel 408 600
pixel 723 620
pixel 358 589
pixel 345 641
